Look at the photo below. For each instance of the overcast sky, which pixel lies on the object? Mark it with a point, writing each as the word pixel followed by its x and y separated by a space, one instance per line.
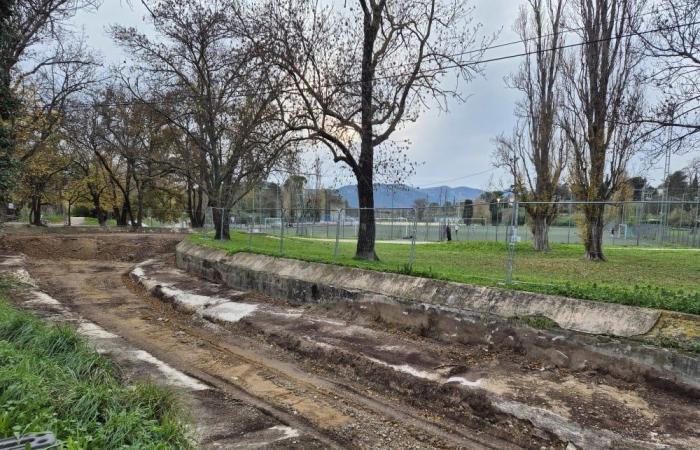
pixel 452 148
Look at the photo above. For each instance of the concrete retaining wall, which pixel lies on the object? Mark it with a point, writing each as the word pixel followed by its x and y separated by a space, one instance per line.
pixel 301 282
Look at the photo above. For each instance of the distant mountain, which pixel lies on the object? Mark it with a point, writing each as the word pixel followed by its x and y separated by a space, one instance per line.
pixel 405 196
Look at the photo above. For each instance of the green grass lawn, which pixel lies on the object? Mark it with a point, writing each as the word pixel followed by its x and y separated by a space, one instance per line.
pixel 666 279
pixel 51 380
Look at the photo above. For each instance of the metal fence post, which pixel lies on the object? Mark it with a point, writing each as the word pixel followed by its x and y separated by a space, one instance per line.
pixel 337 233
pixel 512 243
pixel 282 232
pixel 568 237
pixel 250 233
pixel 638 227
pixel 221 233
pixel 412 253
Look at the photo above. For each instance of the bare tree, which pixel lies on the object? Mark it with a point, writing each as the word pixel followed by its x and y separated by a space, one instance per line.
pixel 536 154
pixel 359 72
pixel 84 134
pixel 27 29
pixel 603 107
pixel 674 48
pixel 48 92
pixel 209 86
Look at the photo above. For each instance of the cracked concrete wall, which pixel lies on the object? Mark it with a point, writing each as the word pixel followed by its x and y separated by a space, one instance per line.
pixel 300 282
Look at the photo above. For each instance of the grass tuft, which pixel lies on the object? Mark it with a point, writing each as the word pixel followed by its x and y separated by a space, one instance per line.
pixel 52 380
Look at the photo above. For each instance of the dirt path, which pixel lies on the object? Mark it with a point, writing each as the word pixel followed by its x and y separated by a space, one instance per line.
pixel 316 378
pixel 245 369
pixel 326 413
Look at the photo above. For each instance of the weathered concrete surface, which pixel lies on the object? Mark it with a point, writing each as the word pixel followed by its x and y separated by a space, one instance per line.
pixel 518 371
pixel 301 282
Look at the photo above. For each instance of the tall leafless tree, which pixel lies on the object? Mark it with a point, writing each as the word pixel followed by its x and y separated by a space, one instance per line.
pixel 603 107
pixel 536 154
pixel 212 88
pixel 674 52
pixel 361 71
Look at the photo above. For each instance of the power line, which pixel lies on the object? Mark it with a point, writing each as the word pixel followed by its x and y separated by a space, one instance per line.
pixel 438 183
pixel 533 38
pixel 476 63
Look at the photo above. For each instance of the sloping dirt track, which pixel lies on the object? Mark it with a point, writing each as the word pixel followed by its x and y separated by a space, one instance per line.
pixel 267 384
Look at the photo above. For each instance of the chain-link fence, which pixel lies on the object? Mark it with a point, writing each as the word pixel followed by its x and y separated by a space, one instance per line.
pixel 418 240
pixel 623 223
pixel 642 223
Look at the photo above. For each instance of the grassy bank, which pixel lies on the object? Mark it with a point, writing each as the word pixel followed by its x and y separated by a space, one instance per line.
pixel 51 380
pixel 666 279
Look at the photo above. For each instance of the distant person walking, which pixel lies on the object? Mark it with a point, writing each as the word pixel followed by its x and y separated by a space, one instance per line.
pixel 448 233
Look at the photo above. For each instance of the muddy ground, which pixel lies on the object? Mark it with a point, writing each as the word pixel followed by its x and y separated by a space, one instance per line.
pixel 335 376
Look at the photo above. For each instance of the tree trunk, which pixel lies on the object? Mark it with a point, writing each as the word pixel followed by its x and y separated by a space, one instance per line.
pixel 366 235
pixel 198 216
pixel 69 221
pixel 97 210
pixel 101 216
pixel 195 198
pixel 139 209
pixel 35 213
pixel 365 170
pixel 124 216
pixel 221 223
pixel 593 238
pixel 540 232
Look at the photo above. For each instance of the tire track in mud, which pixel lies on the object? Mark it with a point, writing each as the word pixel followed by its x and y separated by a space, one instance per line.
pixel 335 381
pixel 334 414
pixel 318 383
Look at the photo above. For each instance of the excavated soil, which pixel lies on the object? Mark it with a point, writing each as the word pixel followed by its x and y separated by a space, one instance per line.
pixel 125 247
pixel 341 376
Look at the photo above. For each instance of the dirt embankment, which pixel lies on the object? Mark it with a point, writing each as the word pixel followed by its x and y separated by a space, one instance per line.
pixel 125 247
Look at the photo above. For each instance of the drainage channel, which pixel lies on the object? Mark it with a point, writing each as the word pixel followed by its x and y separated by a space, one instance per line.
pixel 584 408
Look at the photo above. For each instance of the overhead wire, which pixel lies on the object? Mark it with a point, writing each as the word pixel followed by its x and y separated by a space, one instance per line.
pixel 472 63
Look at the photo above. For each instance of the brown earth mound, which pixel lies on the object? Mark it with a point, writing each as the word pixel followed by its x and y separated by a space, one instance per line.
pixel 127 247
